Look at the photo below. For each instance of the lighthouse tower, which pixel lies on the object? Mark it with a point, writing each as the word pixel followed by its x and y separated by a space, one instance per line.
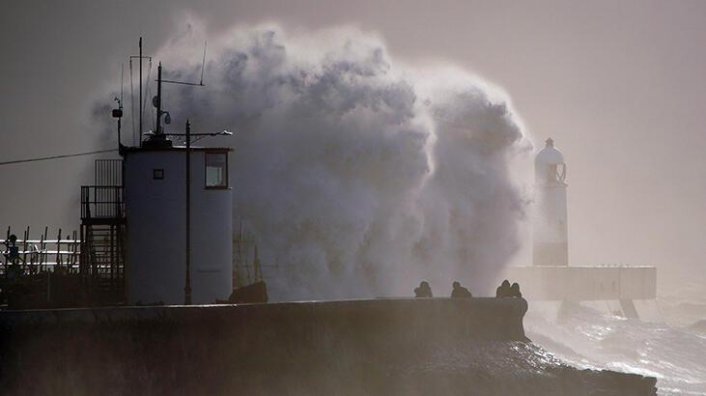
pixel 550 240
pixel 550 277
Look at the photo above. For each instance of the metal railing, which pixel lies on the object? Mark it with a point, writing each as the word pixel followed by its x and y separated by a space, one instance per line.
pixel 102 202
pixel 108 172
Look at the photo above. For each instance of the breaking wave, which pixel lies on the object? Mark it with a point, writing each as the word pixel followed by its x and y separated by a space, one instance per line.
pixel 589 337
pixel 358 176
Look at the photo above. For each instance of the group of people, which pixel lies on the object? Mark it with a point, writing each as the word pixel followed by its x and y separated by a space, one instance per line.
pixel 458 291
pixel 507 290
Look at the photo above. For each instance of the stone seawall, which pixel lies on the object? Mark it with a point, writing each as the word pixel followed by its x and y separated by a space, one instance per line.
pixel 361 347
pixel 314 321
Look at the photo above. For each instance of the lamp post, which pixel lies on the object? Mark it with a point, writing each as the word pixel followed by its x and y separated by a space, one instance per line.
pixel 187 282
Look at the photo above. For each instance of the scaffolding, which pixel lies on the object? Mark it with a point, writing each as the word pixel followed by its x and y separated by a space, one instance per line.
pixel 78 269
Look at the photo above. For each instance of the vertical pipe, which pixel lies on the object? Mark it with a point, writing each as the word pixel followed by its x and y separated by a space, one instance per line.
pixel 140 131
pixel 76 247
pixel 82 261
pixel 7 238
pixel 158 127
pixel 187 286
pixel 49 287
pixel 112 256
pixel 24 250
pixel 58 250
pixel 69 257
pixel 43 248
pixel 72 249
pixel 119 139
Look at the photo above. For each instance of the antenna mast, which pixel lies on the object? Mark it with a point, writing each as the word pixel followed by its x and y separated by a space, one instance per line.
pixel 203 61
pixel 118 113
pixel 158 137
pixel 122 81
pixel 140 56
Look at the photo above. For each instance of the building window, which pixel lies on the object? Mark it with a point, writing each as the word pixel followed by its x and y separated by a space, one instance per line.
pixel 216 169
pixel 157 174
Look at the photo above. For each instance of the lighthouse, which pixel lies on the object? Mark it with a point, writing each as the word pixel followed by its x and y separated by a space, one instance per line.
pixel 550 277
pixel 550 236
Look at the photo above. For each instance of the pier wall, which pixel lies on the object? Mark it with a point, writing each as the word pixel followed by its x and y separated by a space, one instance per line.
pixel 161 347
pixel 315 321
pixel 366 347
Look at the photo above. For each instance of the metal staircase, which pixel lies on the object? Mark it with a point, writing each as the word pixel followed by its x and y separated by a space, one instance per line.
pixel 103 235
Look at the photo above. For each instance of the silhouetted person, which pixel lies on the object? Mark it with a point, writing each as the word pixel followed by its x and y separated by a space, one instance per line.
pixel 12 255
pixel 503 290
pixel 515 290
pixel 460 291
pixel 424 290
pixel 13 252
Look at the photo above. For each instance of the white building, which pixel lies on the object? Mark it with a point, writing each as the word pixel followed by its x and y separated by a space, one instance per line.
pixel 155 207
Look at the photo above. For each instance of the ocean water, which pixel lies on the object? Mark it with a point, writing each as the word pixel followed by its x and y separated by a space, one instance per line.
pixel 669 343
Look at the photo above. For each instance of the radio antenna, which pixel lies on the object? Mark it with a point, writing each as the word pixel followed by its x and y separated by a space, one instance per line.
pixel 203 62
pixel 140 57
pixel 122 81
pixel 200 83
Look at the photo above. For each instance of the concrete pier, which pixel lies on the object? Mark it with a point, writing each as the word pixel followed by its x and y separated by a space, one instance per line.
pixel 362 347
pixel 478 318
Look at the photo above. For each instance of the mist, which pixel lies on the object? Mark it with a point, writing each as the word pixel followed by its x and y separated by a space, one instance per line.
pixel 357 175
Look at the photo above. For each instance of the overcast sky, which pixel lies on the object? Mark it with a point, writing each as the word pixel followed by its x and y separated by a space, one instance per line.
pixel 618 84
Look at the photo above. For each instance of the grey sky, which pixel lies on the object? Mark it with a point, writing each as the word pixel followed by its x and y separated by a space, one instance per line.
pixel 618 85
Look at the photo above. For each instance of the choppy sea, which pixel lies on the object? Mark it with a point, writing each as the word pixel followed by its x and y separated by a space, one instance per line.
pixel 668 341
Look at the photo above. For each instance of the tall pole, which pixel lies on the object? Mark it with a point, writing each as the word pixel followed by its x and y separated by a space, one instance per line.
pixel 158 128
pixel 140 105
pixel 187 286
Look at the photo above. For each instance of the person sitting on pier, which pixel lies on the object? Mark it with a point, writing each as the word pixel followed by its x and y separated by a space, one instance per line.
pixel 424 290
pixel 460 291
pixel 515 290
pixel 503 290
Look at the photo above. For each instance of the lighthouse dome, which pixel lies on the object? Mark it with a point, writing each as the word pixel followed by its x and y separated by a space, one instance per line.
pixel 549 166
pixel 549 155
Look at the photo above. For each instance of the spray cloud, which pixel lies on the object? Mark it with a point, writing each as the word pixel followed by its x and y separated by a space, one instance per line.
pixel 358 176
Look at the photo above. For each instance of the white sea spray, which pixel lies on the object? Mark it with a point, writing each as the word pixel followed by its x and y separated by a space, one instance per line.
pixel 358 175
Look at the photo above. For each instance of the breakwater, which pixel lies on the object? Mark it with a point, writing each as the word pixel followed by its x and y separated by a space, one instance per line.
pixel 364 347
